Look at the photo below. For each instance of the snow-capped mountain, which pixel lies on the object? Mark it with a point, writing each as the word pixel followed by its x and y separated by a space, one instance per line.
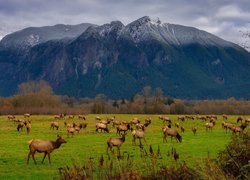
pixel 119 60
pixel 32 36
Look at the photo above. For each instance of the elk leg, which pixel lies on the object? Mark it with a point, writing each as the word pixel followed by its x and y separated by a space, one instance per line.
pixel 133 141
pixel 28 157
pixel 164 138
pixel 33 157
pixel 44 156
pixel 118 150
pixel 49 158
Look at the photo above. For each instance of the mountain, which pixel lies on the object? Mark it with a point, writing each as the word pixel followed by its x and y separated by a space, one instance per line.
pixel 32 36
pixel 119 60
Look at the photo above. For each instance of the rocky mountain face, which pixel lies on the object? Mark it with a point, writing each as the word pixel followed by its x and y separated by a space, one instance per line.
pixel 119 60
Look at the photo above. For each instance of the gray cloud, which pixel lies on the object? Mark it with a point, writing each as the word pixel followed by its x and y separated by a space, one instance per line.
pixel 224 18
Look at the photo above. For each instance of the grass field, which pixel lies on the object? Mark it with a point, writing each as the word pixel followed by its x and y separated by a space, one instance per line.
pixel 14 147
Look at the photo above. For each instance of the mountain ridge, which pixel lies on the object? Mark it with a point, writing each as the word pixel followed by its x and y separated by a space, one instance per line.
pixel 184 61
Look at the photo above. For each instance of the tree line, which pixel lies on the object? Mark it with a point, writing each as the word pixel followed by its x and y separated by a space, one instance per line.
pixel 37 97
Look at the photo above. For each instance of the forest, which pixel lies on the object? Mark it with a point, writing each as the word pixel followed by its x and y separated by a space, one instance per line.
pixel 37 97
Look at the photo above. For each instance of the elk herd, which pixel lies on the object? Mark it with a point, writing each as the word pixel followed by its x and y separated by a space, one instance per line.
pixel 136 127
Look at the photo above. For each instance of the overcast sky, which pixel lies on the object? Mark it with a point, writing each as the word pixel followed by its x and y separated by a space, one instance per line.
pixel 224 18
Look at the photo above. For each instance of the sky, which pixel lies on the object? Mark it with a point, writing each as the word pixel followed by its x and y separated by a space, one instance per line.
pixel 224 18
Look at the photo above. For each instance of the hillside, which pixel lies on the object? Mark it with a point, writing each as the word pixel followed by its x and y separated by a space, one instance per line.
pixel 119 60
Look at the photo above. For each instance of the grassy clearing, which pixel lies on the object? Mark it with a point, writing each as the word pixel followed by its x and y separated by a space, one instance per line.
pixel 14 147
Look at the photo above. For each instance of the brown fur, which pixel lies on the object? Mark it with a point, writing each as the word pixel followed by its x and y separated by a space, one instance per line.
pixel 43 146
pixel 167 131
pixel 138 134
pixel 54 124
pixel 117 142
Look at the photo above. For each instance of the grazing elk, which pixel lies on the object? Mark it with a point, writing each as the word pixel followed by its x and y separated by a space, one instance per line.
pixel 182 118
pixel 147 122
pixel 203 118
pixel 81 117
pixel 71 116
pixel 226 126
pixel 239 129
pixel 59 116
pixel 166 119
pixel 11 117
pixel 80 126
pixel 116 123
pixel 140 126
pixel 26 115
pixel 54 124
pixel 189 117
pixel 239 119
pixel 168 131
pixel 224 117
pixel 43 146
pixel 122 128
pixel 102 127
pixel 135 121
pixel 138 134
pixel 98 118
pixel 117 142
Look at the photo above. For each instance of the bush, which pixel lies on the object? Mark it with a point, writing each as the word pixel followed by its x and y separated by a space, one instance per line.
pixel 235 159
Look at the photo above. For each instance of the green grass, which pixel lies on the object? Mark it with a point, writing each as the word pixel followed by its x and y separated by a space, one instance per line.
pixel 14 147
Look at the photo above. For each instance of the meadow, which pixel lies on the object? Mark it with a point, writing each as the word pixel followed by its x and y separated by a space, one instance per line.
pixel 89 144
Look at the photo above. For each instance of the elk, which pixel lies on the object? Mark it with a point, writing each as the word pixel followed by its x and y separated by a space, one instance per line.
pixel 71 130
pixel 140 126
pixel 26 115
pixel 81 117
pixel 56 117
pixel 98 118
pixel 210 125
pixel 189 117
pixel 247 121
pixel 224 116
pixel 138 134
pixel 11 117
pixel 147 122
pixel 182 118
pixel 194 129
pixel 135 121
pixel 80 126
pixel 240 128
pixel 115 142
pixel 28 126
pixel 226 125
pixel 20 125
pixel 168 131
pixel 204 118
pixel 54 124
pixel 71 116
pixel 116 123
pixel 166 119
pixel 112 118
pixel 43 146
pixel 239 119
pixel 102 127
pixel 182 129
pixel 105 121
pixel 122 128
